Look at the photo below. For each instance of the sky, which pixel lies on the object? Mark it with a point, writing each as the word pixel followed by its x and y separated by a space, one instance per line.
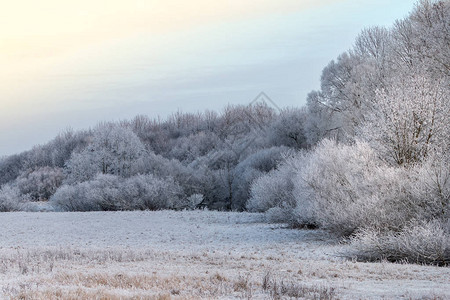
pixel 74 63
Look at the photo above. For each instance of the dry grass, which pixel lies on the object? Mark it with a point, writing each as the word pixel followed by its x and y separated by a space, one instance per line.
pixel 292 289
pixel 57 273
pixel 121 286
pixel 126 274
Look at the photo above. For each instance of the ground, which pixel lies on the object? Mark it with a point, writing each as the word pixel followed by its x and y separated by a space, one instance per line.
pixel 191 255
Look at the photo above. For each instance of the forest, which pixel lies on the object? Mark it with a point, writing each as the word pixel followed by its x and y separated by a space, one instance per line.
pixel 367 158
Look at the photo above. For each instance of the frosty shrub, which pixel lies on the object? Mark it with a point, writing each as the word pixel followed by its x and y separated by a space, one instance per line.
pixel 252 168
pixel 149 192
pixel 102 193
pixel 344 188
pixel 193 201
pixel 114 150
pixel 109 192
pixel 41 183
pixel 432 186
pixel 279 214
pixel 424 242
pixel 410 120
pixel 272 190
pixel 11 199
pixel 331 187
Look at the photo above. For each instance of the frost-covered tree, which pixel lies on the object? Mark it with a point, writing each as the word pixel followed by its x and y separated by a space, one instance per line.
pixel 323 121
pixel 421 41
pixel 114 150
pixel 288 129
pixel 348 88
pixel 346 188
pixel 188 148
pixel 418 44
pixel 41 183
pixel 252 167
pixel 11 198
pixel 410 119
pixel 110 192
pixel 64 144
pixel 273 189
pixel 11 167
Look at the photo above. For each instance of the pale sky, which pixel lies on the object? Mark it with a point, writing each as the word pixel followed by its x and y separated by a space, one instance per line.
pixel 73 63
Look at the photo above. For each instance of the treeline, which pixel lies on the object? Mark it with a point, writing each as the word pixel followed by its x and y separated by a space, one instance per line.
pixel 189 160
pixel 367 158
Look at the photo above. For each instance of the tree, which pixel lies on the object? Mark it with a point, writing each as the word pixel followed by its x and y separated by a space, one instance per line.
pixel 288 129
pixel 411 118
pixel 113 150
pixel 41 183
pixel 110 192
pixel 11 167
pixel 273 189
pixel 251 168
pixel 423 39
pixel 11 199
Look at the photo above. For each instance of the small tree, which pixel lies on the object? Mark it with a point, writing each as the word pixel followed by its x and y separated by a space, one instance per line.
pixel 40 184
pixel 114 150
pixel 11 199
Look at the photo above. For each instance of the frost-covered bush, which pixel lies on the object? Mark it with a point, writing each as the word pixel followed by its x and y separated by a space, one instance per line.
pixel 11 199
pixel 331 188
pixel 272 190
pixel 345 188
pixel 41 183
pixel 429 188
pixel 279 214
pixel 37 206
pixel 193 201
pixel 114 150
pixel 251 168
pixel 410 120
pixel 149 192
pixel 102 193
pixel 109 192
pixel 425 242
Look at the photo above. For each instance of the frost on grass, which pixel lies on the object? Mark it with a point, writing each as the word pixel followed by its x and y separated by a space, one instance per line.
pixel 427 243
pixel 191 255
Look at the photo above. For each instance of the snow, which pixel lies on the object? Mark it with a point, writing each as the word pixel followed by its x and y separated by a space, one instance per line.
pixel 188 255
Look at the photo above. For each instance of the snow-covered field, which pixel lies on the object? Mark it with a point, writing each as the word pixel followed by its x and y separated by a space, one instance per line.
pixel 191 255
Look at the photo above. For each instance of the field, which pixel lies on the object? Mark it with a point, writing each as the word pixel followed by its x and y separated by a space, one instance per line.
pixel 191 255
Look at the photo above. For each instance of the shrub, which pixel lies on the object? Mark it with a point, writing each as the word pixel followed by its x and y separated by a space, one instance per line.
pixel 114 150
pixel 272 190
pixel 109 192
pixel 347 187
pixel 251 168
pixel 150 192
pixel 11 199
pixel 194 200
pixel 41 183
pixel 279 214
pixel 419 242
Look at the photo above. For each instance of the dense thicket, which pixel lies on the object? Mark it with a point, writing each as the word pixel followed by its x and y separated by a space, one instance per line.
pixel 380 170
pixel 367 158
pixel 212 156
